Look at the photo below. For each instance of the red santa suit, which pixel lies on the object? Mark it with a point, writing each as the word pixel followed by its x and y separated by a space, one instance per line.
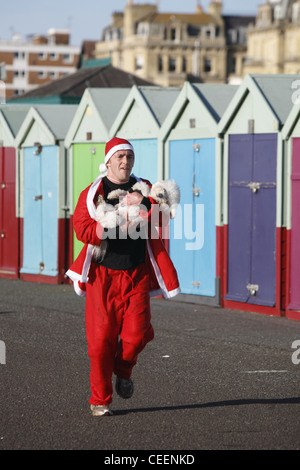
pixel 117 301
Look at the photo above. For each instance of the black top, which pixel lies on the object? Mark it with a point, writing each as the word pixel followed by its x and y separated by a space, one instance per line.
pixel 123 252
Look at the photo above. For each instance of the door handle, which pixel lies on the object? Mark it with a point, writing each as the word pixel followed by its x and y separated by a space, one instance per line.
pixel 38 198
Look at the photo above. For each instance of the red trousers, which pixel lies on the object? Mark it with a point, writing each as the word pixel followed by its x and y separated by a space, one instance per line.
pixel 118 325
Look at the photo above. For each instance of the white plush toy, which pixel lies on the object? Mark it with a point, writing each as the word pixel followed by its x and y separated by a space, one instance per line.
pixel 166 193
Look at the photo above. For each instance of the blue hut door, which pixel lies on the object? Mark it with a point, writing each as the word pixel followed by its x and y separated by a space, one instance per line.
pixel 145 163
pixel 252 219
pixel 40 232
pixel 193 231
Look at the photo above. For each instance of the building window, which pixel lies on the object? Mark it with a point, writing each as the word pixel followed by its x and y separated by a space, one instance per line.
pixel 67 58
pixel 19 92
pixel 139 63
pixel 53 56
pixel 53 75
pixel 295 12
pixel 160 63
pixel 207 65
pixel 173 34
pixel 42 56
pixel 42 74
pixel 183 64
pixel 19 73
pixel 19 55
pixel 233 65
pixel 172 64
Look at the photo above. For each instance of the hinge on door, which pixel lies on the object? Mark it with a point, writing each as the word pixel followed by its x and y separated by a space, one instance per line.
pixel 196 191
pixel 196 147
pixel 252 288
pixel 38 149
pixel 195 283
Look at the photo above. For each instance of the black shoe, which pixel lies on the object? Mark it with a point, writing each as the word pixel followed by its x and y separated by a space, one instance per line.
pixel 124 387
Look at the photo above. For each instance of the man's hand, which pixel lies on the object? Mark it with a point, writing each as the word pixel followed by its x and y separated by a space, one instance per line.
pixel 132 199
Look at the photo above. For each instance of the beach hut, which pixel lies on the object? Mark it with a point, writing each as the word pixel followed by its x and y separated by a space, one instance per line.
pixel 254 238
pixel 192 157
pixel 11 118
pixel 85 143
pixel 291 138
pixel 43 192
pixel 139 120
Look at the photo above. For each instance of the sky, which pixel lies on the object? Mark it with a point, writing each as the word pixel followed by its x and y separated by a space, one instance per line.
pixel 86 19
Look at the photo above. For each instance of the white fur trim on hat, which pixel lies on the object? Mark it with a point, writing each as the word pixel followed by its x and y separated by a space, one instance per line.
pixel 125 146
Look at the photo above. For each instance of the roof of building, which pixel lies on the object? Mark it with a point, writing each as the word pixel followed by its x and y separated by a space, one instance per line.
pixel 216 97
pixel 189 18
pixel 159 100
pixel 235 21
pixel 277 90
pixel 72 87
pixel 14 116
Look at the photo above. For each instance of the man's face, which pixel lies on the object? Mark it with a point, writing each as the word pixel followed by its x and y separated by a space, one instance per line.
pixel 120 166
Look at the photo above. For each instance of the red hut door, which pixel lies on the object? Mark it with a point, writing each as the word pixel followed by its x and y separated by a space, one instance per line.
pixel 9 236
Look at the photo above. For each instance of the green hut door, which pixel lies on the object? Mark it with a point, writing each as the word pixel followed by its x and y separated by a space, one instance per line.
pixel 86 161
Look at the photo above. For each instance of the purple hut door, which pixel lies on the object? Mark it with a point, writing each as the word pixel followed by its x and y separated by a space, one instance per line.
pixel 263 246
pixel 239 217
pixel 252 219
pixel 295 233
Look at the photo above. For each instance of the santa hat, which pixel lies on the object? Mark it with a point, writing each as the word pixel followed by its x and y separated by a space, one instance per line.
pixel 114 145
pixel 111 147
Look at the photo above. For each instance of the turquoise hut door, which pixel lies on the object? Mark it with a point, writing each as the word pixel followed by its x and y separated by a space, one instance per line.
pixel 193 231
pixel 40 230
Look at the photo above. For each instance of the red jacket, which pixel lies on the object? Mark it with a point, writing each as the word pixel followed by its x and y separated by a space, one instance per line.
pixel 163 277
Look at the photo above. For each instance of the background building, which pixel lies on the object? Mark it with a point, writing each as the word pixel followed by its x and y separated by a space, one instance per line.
pixel 25 65
pixel 169 48
pixel 274 39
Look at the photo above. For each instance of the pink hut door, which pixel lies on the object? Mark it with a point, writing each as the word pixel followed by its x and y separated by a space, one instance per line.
pixel 295 232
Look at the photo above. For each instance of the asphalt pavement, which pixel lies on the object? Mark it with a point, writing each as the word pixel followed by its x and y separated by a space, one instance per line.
pixel 212 379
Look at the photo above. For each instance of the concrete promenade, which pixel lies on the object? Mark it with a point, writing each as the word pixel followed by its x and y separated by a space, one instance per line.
pixel 212 379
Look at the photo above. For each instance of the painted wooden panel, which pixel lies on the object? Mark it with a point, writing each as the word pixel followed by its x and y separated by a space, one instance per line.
pixel 264 220
pixel 295 231
pixel 239 218
pixel 252 219
pixel 145 163
pixel 193 232
pixel 40 232
pixel 9 241
pixel 86 161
